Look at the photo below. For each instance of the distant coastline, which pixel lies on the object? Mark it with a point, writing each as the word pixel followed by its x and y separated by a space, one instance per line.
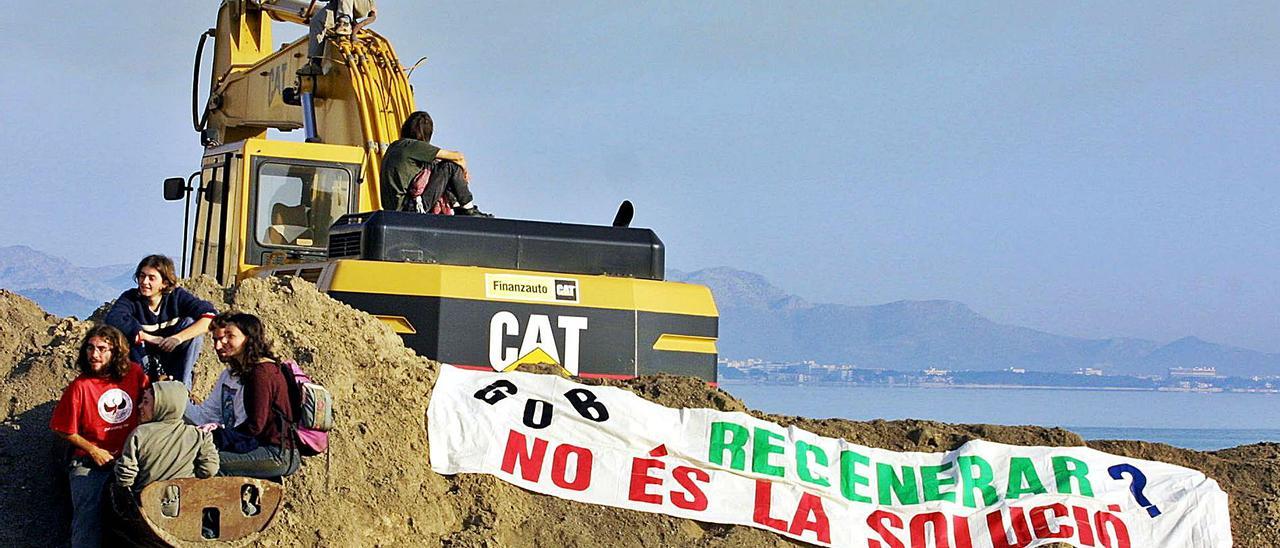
pixel 809 373
pixel 939 386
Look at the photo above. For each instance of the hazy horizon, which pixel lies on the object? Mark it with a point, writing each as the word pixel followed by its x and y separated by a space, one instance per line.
pixel 1095 170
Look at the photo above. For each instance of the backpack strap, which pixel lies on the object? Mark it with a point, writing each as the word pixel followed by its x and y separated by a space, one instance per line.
pixel 288 428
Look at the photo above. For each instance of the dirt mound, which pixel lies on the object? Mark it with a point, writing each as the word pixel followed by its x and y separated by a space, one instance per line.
pixel 376 488
pixel 24 328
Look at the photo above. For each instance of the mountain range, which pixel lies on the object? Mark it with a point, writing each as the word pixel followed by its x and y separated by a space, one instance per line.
pixel 57 285
pixel 759 320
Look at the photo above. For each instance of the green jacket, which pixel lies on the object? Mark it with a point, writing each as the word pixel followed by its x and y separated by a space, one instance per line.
pixel 166 447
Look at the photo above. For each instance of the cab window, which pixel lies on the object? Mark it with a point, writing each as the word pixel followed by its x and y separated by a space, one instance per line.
pixel 296 204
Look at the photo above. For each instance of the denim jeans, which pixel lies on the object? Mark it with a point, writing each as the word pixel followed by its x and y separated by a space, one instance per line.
pixel 181 362
pixel 266 462
pixel 87 483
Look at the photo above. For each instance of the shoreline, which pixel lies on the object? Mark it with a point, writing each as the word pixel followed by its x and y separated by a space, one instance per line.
pixel 1011 386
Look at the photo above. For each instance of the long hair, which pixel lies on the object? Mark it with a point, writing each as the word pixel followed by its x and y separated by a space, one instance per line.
pixel 163 265
pixel 256 346
pixel 119 365
pixel 418 126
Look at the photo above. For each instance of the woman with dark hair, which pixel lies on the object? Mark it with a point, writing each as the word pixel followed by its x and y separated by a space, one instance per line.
pixel 164 322
pixel 96 414
pixel 259 443
pixel 418 176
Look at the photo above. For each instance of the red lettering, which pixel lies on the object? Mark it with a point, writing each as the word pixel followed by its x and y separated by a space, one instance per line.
pixel 1000 536
pixel 880 521
pixel 960 530
pixel 1108 524
pixel 764 496
pixel 939 523
pixel 582 468
pixel 811 505
pixel 641 480
pixel 692 498
pixel 530 462
pixel 1083 528
pixel 1040 521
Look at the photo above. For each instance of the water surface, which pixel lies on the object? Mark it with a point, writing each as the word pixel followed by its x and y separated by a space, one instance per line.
pixel 1192 420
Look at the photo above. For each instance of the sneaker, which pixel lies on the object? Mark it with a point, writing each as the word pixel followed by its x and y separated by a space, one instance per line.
pixel 342 25
pixel 472 211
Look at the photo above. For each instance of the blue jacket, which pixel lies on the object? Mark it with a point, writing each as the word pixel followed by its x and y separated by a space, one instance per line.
pixel 130 315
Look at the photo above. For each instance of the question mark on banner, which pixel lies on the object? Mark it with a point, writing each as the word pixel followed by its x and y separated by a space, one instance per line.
pixel 1136 486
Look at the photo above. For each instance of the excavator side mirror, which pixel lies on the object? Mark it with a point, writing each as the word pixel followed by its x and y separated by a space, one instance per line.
pixel 291 97
pixel 175 188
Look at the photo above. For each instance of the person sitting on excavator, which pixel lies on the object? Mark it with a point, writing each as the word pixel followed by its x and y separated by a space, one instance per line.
pixel 420 177
pixel 338 18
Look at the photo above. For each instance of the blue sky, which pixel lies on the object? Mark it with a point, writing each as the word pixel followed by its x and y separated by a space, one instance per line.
pixel 1093 169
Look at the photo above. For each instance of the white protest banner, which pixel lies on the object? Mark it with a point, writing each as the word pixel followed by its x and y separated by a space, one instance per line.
pixel 604 445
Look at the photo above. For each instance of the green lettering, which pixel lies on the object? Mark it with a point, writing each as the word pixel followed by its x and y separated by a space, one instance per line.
pixel 982 481
pixel 761 448
pixel 1065 469
pixel 802 463
pixel 890 484
pixel 849 477
pixel 1023 479
pixel 931 483
pixel 719 444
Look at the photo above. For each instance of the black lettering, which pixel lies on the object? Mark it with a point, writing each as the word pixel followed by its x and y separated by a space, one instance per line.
pixel 496 392
pixel 586 404
pixel 532 418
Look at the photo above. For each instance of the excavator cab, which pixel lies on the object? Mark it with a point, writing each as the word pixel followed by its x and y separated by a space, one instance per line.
pixel 265 202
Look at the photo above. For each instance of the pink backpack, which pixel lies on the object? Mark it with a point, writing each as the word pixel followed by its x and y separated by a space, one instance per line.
pixel 312 409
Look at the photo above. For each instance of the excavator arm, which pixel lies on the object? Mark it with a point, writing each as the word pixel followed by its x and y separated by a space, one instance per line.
pixel 360 100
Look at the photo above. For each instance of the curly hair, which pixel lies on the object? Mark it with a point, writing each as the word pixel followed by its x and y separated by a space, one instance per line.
pixel 118 367
pixel 256 348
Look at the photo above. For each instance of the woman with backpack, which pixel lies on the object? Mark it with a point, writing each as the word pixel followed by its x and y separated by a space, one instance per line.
pixel 261 444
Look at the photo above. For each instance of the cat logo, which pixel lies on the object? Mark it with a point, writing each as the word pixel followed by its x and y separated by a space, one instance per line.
pixel 567 290
pixel 115 406
pixel 538 344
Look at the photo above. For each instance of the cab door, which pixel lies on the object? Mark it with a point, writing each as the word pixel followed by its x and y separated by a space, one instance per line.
pixel 213 245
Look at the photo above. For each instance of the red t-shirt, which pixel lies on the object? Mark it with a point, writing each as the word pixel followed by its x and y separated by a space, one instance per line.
pixel 101 410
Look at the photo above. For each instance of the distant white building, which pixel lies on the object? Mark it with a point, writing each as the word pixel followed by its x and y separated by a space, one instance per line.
pixel 1193 372
pixel 1089 372
pixel 933 371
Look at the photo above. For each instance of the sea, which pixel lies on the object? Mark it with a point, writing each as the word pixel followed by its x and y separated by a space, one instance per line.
pixel 1192 420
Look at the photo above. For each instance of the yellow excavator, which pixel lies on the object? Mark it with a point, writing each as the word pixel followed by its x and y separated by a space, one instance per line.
pixel 475 292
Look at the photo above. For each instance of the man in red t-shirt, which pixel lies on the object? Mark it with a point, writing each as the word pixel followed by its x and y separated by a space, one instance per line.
pixel 96 414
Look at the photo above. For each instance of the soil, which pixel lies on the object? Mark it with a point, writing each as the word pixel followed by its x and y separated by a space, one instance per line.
pixel 376 487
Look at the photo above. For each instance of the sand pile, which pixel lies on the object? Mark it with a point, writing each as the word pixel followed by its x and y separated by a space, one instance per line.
pixel 377 488
pixel 24 328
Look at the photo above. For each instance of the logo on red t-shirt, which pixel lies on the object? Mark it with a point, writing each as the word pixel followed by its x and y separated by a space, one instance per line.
pixel 115 406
